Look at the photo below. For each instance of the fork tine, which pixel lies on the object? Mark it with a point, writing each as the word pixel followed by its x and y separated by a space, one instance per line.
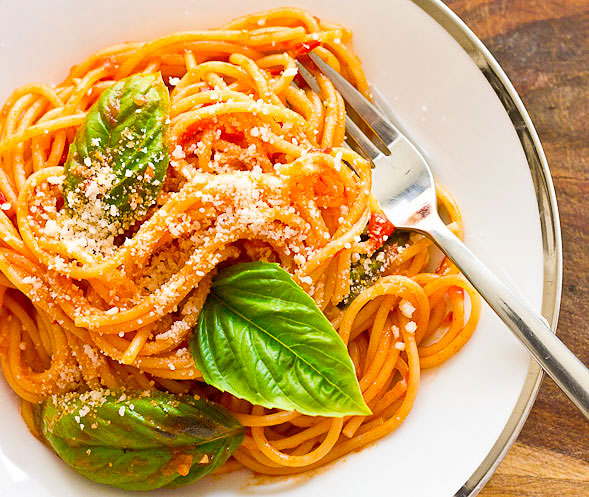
pixel 369 149
pixel 368 112
pixel 308 77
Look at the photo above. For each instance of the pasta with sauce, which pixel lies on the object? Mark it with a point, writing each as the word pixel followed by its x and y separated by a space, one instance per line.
pixel 237 161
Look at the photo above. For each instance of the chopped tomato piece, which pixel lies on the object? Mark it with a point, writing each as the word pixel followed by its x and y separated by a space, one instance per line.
pixel 379 229
pixel 299 81
pixel 305 47
pixel 190 133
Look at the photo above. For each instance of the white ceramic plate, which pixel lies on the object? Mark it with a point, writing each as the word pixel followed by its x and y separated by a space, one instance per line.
pixel 461 423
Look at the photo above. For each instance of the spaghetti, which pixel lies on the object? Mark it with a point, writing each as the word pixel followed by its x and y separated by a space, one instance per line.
pixel 257 171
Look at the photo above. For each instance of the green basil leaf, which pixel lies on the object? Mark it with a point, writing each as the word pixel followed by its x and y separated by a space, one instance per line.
pixel 366 271
pixel 118 160
pixel 130 440
pixel 262 338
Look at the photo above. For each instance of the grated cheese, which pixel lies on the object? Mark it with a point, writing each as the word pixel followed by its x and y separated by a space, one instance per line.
pixel 406 308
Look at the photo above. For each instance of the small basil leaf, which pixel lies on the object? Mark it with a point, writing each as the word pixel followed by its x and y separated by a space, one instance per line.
pixel 136 440
pixel 263 339
pixel 366 271
pixel 118 160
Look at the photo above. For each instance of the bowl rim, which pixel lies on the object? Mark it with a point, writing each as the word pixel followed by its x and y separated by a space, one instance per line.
pixel 549 223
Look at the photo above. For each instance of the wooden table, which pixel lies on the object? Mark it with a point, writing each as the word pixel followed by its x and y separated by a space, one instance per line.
pixel 543 46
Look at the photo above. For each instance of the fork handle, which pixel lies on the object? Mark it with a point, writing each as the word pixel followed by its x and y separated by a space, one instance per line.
pixel 529 327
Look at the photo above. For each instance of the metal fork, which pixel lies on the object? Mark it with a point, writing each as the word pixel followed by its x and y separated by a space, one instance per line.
pixel 405 189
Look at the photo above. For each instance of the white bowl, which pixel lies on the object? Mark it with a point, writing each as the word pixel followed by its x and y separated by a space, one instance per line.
pixel 462 421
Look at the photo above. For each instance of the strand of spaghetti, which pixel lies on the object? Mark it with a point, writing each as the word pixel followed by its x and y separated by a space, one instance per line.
pixel 188 102
pixel 384 375
pixel 265 419
pixel 26 411
pixel 206 49
pixel 136 344
pixel 142 380
pixel 173 386
pixel 380 381
pixel 83 86
pixel 10 236
pixel 301 104
pixel 454 346
pixel 263 111
pixel 28 326
pixel 46 334
pixel 94 366
pixel 330 281
pixel 378 326
pixel 317 454
pixel 55 154
pixel 274 15
pixel 437 316
pixel 318 117
pixel 342 286
pixel 452 209
pixel 145 362
pixel 15 364
pixel 328 95
pixel 304 448
pixel 328 57
pixel 253 451
pixel 39 89
pixel 368 379
pixel 364 318
pixel 22 168
pixel 335 245
pixel 7 187
pixel 289 70
pixel 190 373
pixel 370 425
pixel 13 383
pixel 245 38
pixel 457 301
pixel 436 287
pixel 352 64
pixel 257 77
pixel 38 384
pixel 398 285
pixel 44 128
pixel 362 343
pixel 390 397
